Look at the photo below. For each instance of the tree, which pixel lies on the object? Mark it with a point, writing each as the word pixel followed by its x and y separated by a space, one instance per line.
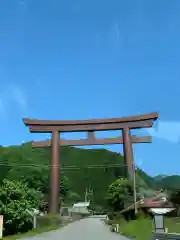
pixel 72 197
pixel 4 164
pixel 26 162
pixel 15 199
pixel 142 189
pixel 175 199
pixel 64 188
pixel 38 178
pixel 4 168
pixel 119 192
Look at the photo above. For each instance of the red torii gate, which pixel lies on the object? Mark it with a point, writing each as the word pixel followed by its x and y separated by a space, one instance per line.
pixel 58 126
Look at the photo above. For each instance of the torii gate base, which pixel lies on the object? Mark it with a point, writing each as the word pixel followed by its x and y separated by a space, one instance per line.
pixel 56 127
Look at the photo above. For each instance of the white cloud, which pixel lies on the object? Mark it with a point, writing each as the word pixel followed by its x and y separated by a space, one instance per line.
pixel 166 130
pixel 1 106
pixel 76 8
pixel 117 31
pixel 139 162
pixel 18 95
pixel 2 109
pixel 11 97
pixel 22 2
pixel 116 36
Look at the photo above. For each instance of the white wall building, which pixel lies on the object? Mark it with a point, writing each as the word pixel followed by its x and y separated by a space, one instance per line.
pixel 81 207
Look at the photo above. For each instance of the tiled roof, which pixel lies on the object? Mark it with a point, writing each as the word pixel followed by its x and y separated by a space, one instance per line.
pixel 149 202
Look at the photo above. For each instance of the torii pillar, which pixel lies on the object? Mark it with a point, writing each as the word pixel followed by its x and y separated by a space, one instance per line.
pixel 128 152
pixel 55 173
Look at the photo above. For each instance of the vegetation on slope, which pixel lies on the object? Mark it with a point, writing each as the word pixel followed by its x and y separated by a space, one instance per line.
pixel 94 168
pixel 78 165
pixel 149 181
pixel 169 182
pixel 15 199
pixel 80 169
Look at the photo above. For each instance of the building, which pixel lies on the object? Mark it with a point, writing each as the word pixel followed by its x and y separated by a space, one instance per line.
pixel 146 204
pixel 81 207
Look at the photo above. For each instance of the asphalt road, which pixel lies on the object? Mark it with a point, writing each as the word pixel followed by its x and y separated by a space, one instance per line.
pixel 86 229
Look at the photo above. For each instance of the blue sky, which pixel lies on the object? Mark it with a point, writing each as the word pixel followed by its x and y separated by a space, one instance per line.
pixel 92 59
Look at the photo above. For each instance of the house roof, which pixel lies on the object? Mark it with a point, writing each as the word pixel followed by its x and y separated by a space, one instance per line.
pixel 149 202
pixel 81 204
pixel 156 204
pixel 160 210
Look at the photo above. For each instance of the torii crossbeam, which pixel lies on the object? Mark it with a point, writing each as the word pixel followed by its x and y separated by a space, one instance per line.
pixel 59 126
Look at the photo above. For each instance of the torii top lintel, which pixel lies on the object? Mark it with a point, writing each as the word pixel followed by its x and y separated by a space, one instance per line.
pixel 132 122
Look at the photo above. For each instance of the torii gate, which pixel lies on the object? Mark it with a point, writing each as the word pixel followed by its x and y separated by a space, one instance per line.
pixel 58 126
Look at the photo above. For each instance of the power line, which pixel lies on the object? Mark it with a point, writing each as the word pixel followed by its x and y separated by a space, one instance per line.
pixel 68 167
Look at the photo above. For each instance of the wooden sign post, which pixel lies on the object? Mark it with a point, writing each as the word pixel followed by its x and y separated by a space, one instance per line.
pixel 1 226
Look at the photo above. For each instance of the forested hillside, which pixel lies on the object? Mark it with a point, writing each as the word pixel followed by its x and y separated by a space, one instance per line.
pixel 169 182
pixel 94 169
pixel 83 168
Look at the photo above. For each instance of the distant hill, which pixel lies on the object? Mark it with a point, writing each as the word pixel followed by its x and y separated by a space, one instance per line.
pixel 159 177
pixel 147 179
pixel 169 182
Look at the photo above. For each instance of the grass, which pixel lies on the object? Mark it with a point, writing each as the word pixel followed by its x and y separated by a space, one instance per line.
pixel 31 233
pixel 46 223
pixel 142 228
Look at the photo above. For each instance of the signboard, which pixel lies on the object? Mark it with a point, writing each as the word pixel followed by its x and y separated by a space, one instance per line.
pixel 33 213
pixel 159 223
pixel 1 226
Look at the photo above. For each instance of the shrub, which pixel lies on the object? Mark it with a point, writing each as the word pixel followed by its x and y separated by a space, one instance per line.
pixel 110 215
pixel 49 220
pixel 15 199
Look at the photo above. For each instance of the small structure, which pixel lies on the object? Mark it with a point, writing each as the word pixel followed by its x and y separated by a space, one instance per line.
pixel 81 207
pixel 159 218
pixel 64 211
pixel 33 213
pixel 160 232
pixel 1 226
pixel 159 201
pixel 151 203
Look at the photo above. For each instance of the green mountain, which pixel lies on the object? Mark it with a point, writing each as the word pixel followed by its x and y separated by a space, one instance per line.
pixel 159 178
pixel 147 179
pixel 92 169
pixel 169 182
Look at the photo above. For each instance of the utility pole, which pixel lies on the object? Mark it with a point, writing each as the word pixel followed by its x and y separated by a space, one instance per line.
pixel 134 189
pixel 92 199
pixel 86 195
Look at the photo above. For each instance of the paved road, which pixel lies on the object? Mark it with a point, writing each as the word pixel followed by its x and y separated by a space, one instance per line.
pixel 86 229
